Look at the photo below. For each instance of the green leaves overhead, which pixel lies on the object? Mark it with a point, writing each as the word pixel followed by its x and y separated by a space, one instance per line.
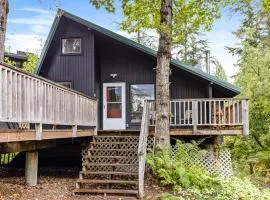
pixel 107 4
pixel 188 16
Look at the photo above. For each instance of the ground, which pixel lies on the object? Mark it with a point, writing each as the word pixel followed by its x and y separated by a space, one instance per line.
pixel 56 184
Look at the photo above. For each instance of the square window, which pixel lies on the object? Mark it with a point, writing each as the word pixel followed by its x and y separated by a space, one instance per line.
pixel 139 93
pixel 72 46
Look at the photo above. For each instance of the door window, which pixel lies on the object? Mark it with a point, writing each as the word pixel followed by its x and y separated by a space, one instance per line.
pixel 114 102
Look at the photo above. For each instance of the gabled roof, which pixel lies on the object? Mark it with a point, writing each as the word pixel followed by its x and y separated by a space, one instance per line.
pixel 129 42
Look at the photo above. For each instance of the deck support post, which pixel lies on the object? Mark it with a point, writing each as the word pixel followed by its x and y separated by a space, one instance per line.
pixel 212 147
pixel 194 115
pixel 38 127
pixel 31 168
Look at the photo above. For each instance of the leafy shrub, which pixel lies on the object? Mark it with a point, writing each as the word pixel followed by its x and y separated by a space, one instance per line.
pixel 181 170
pixel 191 181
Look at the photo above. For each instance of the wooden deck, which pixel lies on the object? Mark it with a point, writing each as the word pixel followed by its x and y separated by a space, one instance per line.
pixel 30 135
pixel 29 99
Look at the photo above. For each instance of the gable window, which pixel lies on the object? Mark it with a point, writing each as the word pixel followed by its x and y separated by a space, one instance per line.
pixel 139 93
pixel 72 46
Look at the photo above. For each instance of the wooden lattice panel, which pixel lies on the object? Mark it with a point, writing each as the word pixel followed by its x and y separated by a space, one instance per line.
pixel 113 139
pixel 150 143
pixel 113 159
pixel 220 165
pixel 115 145
pixel 112 152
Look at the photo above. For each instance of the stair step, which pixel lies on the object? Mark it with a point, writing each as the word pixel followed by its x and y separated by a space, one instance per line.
pixel 107 164
pixel 105 191
pixel 106 181
pixel 108 173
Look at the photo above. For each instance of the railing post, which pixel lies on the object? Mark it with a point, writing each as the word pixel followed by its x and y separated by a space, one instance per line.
pixel 74 131
pixel 245 117
pixel 194 115
pixel 142 148
pixel 74 127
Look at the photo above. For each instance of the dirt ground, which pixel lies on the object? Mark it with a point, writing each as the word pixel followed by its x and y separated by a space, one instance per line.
pixel 56 184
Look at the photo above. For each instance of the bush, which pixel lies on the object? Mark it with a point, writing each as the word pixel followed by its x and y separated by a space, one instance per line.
pixel 188 180
pixel 180 169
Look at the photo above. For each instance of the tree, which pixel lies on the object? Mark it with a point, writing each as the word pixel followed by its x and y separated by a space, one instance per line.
pixel 3 25
pixel 253 78
pixel 219 71
pixel 30 64
pixel 172 20
pixel 147 39
pixel 192 50
pixel 255 18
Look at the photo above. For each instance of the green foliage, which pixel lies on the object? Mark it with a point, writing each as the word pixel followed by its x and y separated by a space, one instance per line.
pixel 254 79
pixel 31 62
pixel 251 154
pixel 220 72
pixel 190 181
pixel 9 62
pixel 192 50
pixel 181 171
pixel 188 16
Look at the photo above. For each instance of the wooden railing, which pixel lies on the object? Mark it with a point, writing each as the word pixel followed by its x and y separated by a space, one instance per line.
pixel 142 147
pixel 206 112
pixel 27 98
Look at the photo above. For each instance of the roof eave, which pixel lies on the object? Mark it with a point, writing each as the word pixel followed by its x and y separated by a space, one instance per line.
pixel 48 41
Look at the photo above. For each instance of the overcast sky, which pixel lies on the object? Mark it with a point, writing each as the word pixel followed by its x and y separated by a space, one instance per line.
pixel 29 22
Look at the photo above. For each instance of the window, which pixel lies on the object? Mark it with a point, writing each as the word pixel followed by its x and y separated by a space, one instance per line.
pixel 139 93
pixel 114 102
pixel 72 46
pixel 65 84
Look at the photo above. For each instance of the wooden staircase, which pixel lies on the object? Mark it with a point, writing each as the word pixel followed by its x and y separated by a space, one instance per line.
pixel 110 166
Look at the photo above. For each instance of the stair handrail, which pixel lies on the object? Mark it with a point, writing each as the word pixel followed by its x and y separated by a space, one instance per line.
pixel 144 131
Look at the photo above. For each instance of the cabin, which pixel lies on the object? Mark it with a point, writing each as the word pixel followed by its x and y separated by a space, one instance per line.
pixel 18 58
pixel 120 74
pixel 94 84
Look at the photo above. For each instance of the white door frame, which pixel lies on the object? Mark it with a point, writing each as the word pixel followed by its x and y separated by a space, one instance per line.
pixel 114 123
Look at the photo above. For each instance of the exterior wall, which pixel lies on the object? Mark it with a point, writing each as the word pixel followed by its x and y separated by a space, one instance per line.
pixel 102 56
pixel 135 67
pixel 77 69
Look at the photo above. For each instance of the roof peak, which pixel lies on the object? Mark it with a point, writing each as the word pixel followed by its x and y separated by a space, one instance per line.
pixel 189 68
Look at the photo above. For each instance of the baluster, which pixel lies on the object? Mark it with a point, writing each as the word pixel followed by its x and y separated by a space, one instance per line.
pixel 229 112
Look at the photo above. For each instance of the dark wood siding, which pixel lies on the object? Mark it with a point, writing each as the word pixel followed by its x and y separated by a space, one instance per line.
pixel 102 56
pixel 78 69
pixel 135 67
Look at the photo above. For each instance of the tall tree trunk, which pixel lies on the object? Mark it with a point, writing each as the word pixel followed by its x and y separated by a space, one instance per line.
pixel 162 75
pixel 3 25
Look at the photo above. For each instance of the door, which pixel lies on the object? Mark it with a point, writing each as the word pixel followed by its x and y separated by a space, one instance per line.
pixel 114 106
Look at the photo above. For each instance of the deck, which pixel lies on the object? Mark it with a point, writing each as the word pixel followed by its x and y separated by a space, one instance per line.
pixel 36 106
pixel 29 99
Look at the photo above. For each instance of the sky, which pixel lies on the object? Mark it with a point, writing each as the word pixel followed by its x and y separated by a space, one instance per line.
pixel 29 22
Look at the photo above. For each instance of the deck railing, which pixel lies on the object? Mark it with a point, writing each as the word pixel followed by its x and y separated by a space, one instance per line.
pixel 27 98
pixel 142 147
pixel 206 112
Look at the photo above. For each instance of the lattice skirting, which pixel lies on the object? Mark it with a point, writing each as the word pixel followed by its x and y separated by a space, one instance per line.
pixel 220 165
